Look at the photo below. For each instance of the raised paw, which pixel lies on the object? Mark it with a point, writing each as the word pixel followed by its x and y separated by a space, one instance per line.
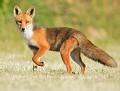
pixel 41 64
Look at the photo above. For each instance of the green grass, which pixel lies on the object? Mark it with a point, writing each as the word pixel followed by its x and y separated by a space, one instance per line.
pixel 16 74
pixel 84 15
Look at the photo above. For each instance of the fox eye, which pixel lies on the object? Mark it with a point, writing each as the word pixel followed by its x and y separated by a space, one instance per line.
pixel 27 21
pixel 19 21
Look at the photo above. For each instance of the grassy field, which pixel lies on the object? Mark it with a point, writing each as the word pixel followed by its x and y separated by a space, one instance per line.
pixel 16 74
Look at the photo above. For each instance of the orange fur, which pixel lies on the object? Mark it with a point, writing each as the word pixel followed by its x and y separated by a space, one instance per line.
pixel 66 47
pixel 39 37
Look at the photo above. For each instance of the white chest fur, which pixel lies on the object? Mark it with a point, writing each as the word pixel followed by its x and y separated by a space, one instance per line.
pixel 27 34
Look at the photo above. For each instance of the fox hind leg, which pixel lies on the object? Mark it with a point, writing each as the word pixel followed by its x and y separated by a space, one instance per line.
pixel 65 49
pixel 75 55
pixel 66 60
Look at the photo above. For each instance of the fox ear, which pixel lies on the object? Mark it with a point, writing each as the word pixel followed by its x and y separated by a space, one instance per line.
pixel 17 10
pixel 31 11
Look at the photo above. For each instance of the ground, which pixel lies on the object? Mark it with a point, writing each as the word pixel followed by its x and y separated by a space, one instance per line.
pixel 16 74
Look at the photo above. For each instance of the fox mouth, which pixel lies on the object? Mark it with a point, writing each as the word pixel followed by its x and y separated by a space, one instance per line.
pixel 22 30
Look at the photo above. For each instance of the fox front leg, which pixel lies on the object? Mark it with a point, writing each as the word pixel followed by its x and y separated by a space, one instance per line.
pixel 34 66
pixel 38 54
pixel 34 50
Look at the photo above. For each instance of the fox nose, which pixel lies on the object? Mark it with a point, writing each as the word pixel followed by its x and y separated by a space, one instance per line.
pixel 23 29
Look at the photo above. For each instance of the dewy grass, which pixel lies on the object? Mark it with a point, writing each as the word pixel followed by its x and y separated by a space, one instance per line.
pixel 16 74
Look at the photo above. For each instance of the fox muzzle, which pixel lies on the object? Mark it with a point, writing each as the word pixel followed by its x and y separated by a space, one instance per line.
pixel 23 29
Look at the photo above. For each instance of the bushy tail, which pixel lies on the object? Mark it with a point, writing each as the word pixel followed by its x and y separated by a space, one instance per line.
pixel 95 53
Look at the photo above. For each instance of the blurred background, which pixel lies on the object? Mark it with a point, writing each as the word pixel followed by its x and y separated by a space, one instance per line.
pixel 99 20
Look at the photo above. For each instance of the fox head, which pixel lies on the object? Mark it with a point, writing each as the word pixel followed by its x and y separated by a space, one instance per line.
pixel 24 20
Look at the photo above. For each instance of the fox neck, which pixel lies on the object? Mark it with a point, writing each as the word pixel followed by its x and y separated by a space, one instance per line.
pixel 28 32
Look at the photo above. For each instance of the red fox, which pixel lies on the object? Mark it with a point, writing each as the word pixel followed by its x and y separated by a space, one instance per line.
pixel 67 41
